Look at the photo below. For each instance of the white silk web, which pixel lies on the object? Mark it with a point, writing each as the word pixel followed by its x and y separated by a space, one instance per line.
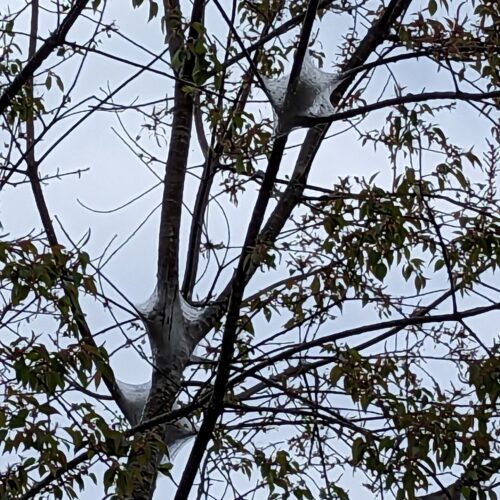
pixel 310 100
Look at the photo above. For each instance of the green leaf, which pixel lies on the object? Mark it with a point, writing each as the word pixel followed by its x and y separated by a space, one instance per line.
pixel 379 271
pixel 165 469
pixel 315 285
pixel 335 374
pixel 340 492
pixel 153 10
pixel 178 59
pixel 108 479
pixel 439 264
pixel 19 419
pixel 59 83
pixel 89 285
pixel 19 293
pixel 358 448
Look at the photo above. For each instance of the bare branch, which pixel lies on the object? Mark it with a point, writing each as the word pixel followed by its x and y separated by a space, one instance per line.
pixel 51 43
pixel 406 99
pixel 215 406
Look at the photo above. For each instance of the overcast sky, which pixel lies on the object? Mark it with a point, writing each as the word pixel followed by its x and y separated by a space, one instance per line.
pixel 115 176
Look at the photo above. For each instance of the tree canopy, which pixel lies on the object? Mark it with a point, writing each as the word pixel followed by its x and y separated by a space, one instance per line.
pixel 311 190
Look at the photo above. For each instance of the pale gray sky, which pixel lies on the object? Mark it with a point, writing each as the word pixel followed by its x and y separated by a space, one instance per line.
pixel 116 176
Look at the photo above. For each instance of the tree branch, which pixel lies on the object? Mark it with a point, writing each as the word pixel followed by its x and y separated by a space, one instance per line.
pixel 284 28
pixel 41 204
pixel 176 164
pixel 406 99
pixel 293 193
pixel 418 318
pixel 352 332
pixel 239 281
pixel 51 43
pixel 164 322
pixel 58 473
pixel 209 170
